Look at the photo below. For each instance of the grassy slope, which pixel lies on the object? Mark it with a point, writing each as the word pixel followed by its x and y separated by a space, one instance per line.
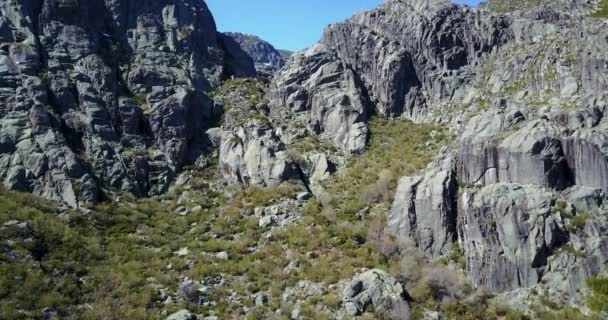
pixel 121 252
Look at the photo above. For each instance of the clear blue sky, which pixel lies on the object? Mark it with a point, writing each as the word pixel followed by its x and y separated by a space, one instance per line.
pixel 287 24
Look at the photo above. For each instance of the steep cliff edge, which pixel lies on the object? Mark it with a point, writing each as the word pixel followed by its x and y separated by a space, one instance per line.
pixel 103 96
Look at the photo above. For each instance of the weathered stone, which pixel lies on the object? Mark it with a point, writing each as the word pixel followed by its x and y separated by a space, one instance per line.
pixel 222 255
pixel 253 155
pixel 68 122
pixel 424 210
pixel 376 288
pixel 532 155
pixel 321 88
pixel 182 315
pixel 508 232
pixel 265 221
pixel 303 196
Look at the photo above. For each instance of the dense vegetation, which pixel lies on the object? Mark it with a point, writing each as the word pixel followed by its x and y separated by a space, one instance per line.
pixel 598 301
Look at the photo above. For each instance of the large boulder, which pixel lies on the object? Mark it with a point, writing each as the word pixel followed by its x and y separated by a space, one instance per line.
pixel 252 154
pixel 372 288
pixel 182 315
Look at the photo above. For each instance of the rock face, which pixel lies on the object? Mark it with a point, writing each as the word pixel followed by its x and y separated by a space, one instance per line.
pixel 250 151
pixel 530 161
pixel 416 52
pixel 260 146
pixel 376 288
pixel 425 210
pixel 508 232
pixel 327 97
pixel 100 96
pixel 532 155
pixel 267 59
pixel 253 155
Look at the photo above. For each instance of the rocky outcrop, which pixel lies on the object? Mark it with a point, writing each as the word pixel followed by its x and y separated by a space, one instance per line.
pixel 523 236
pixel 267 59
pixel 325 95
pixel 316 168
pixel 242 64
pixel 531 155
pixel 402 59
pixel 285 213
pixel 101 96
pixel 374 288
pixel 508 232
pixel 253 155
pixel 424 210
pixel 250 151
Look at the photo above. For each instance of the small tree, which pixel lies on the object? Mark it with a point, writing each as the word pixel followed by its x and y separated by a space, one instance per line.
pixel 381 190
pixel 385 243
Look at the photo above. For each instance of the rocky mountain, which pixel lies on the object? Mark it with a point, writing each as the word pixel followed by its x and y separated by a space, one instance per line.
pixel 423 160
pixel 267 59
pixel 107 96
pixel 522 192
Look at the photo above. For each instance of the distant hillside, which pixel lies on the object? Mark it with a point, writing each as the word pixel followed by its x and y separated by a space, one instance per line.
pixel 285 53
pixel 267 59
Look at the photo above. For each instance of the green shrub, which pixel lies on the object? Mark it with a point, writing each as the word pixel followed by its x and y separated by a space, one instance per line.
pixel 507 6
pixel 565 313
pixel 457 255
pixel 598 301
pixel 569 249
pixel 141 100
pixel 602 12
pixel 579 221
